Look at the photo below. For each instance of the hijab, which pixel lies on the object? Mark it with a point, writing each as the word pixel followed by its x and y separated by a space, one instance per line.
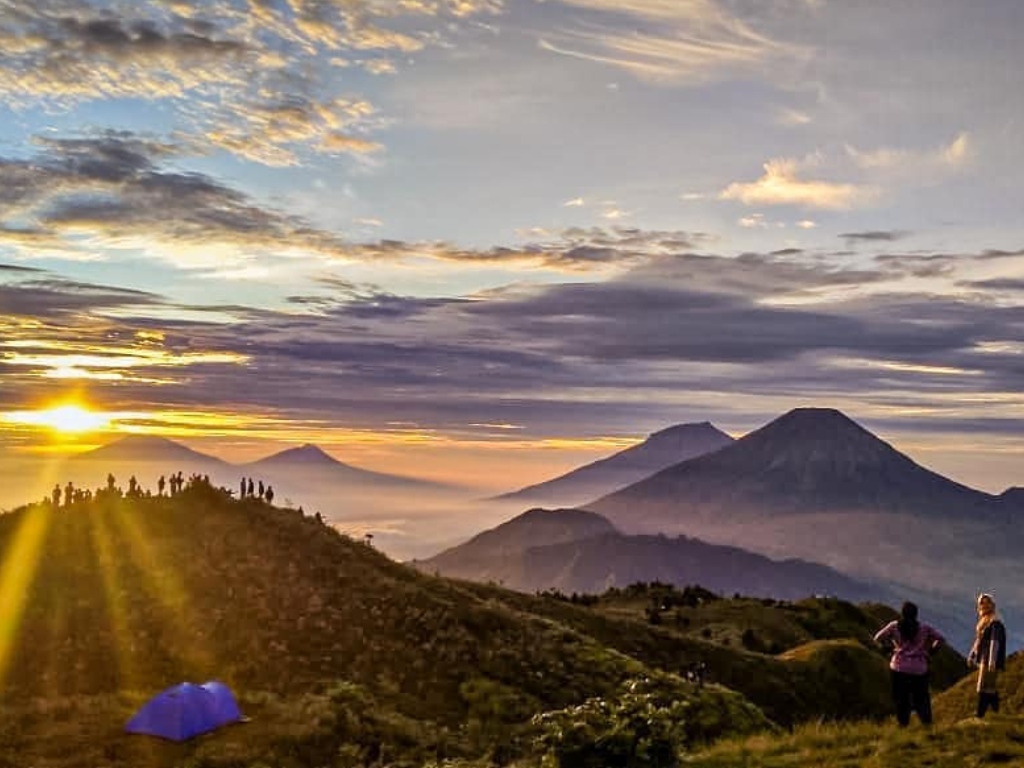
pixel 908 624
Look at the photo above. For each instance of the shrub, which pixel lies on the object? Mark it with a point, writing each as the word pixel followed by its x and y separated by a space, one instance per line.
pixel 649 724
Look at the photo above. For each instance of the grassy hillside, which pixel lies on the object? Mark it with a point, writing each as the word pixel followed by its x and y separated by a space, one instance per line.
pixel 961 744
pixel 959 701
pixel 335 649
pixel 790 687
pixel 343 657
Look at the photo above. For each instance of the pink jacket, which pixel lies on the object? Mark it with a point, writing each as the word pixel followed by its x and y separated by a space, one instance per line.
pixel 910 657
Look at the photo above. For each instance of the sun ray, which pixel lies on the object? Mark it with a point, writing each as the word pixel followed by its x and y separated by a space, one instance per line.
pixel 163 583
pixel 114 593
pixel 19 564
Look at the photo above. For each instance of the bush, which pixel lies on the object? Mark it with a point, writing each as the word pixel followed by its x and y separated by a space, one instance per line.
pixel 649 724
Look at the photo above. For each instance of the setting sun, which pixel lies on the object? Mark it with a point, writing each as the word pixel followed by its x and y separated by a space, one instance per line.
pixel 64 418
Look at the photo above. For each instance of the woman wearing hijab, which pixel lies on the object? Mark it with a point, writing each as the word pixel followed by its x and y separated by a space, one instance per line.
pixel 988 653
pixel 912 643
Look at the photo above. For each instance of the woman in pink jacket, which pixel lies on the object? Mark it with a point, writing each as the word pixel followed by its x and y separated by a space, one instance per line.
pixel 912 644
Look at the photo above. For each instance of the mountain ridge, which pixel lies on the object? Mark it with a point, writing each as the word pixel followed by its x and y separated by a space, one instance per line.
pixel 576 551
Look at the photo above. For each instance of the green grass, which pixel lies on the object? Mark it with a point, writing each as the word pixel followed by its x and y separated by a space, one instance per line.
pixel 345 658
pixel 947 744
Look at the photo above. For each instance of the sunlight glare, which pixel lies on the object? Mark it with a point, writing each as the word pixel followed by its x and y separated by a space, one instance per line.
pixel 63 418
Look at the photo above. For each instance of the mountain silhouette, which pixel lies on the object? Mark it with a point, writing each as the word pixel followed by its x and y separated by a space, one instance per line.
pixel 808 460
pixel 1013 498
pixel 575 551
pixel 661 449
pixel 147 448
pixel 312 466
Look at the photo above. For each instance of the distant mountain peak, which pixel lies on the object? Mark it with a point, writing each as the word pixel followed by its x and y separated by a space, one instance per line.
pixel 808 459
pixel 690 426
pixel 141 447
pixel 308 449
pixel 306 453
pixel 134 439
pixel 814 413
pixel 661 449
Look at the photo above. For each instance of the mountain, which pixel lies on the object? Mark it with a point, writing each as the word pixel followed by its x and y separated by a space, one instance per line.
pixel 145 457
pixel 147 448
pixel 661 449
pixel 310 464
pixel 575 551
pixel 813 484
pixel 489 556
pixel 808 460
pixel 1013 498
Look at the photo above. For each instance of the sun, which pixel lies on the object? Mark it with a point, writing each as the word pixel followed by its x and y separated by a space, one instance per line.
pixel 74 418
pixel 62 418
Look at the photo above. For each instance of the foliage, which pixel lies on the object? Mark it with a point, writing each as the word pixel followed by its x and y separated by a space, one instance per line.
pixel 648 724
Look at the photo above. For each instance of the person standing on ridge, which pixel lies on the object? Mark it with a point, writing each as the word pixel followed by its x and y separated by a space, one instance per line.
pixel 912 643
pixel 988 653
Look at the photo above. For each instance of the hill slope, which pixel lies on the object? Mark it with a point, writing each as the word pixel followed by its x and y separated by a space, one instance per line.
pixel 137 593
pixel 660 449
pixel 110 597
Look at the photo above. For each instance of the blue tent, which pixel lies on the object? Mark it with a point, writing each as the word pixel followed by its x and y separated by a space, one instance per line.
pixel 186 710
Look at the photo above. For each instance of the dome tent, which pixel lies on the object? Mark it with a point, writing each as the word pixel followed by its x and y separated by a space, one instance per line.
pixel 186 710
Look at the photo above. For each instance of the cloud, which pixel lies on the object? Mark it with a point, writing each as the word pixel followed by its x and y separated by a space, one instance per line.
pixel 548 357
pixel 1009 284
pixel 113 188
pixel 874 236
pixel 687 42
pixel 781 185
pixel 572 250
pixel 793 117
pixel 952 156
pixel 259 79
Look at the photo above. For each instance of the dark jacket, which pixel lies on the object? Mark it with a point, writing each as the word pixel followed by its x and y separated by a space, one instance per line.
pixel 992 641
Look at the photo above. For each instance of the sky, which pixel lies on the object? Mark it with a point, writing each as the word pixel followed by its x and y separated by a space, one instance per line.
pixel 489 240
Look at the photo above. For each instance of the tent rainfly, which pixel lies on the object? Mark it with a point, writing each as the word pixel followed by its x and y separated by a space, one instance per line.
pixel 186 710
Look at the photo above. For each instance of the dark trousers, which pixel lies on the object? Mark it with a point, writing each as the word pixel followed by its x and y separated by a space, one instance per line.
pixel 910 692
pixel 987 701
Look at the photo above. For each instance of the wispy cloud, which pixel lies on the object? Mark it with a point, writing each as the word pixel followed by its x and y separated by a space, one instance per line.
pixel 687 42
pixel 954 155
